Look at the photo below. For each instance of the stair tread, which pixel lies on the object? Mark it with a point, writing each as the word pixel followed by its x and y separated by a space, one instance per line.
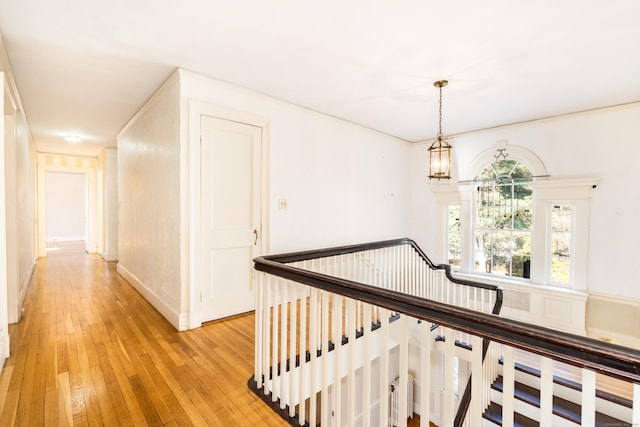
pixel 618 400
pixel 494 414
pixel 561 407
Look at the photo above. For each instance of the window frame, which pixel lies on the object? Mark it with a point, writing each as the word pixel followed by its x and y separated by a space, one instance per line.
pixel 494 230
pixel 547 191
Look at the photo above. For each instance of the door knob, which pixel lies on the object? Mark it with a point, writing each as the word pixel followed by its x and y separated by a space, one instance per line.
pixel 255 233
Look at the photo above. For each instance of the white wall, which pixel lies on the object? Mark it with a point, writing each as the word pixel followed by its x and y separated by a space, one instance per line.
pixel 149 238
pixel 66 202
pixel 343 183
pixel 108 177
pixel 26 203
pixel 17 229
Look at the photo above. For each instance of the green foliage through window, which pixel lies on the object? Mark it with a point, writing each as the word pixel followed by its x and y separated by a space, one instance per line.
pixel 504 217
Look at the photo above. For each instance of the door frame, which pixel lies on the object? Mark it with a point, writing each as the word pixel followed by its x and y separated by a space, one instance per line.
pixel 72 164
pixel 192 198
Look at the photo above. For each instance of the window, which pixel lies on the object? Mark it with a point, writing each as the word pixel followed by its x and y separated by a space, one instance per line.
pixel 506 218
pixel 503 220
pixel 561 221
pixel 453 236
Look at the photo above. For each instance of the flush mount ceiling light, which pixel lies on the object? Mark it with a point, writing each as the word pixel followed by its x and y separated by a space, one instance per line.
pixel 74 139
pixel 440 150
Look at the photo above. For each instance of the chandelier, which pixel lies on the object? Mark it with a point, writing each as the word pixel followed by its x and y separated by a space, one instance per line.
pixel 440 150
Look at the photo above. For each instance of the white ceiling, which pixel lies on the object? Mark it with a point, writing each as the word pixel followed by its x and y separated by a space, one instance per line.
pixel 86 66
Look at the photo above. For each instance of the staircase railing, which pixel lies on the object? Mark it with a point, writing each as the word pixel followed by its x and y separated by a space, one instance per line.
pixel 334 328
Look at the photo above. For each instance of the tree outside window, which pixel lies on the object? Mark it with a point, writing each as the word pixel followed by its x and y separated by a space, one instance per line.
pixel 503 220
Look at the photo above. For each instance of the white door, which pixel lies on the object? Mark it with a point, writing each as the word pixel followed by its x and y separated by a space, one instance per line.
pixel 230 200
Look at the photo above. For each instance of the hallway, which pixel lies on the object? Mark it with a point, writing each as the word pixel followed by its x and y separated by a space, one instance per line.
pixel 91 351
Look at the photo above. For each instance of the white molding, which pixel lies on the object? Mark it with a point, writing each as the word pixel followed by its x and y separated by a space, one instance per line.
pixel 180 321
pixel 564 188
pixel 515 152
pixel 615 298
pixel 66 239
pixel 4 349
pixel 24 286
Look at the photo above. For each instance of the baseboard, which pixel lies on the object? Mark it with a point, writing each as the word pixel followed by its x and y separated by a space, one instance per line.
pixel 66 239
pixel 180 321
pixel 4 349
pixel 110 256
pixel 24 286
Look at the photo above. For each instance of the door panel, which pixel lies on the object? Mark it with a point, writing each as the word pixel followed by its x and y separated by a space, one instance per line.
pixel 230 173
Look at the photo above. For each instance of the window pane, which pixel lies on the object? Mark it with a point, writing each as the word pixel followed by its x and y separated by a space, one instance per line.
pixel 521 266
pixel 502 242
pixel 483 240
pixel 522 218
pixel 560 244
pixel 484 218
pixel 454 237
pixel 561 221
pixel 521 243
pixel 503 217
pixel 482 264
pixel 561 218
pixel 501 264
pixel 560 270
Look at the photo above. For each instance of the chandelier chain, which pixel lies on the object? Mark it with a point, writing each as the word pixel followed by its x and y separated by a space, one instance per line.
pixel 440 116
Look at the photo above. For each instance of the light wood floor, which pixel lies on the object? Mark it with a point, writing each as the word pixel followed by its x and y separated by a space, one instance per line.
pixel 91 351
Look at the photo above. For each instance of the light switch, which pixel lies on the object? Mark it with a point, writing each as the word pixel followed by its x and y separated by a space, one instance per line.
pixel 282 203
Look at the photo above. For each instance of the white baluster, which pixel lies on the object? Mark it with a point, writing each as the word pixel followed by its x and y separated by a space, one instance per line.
pixel 291 331
pixel 257 361
pixel 403 370
pixel 336 337
pixel 313 361
pixel 508 379
pixel 449 354
pixel 275 342
pixel 384 365
pixel 636 405
pixel 588 397
pixel 425 373
pixel 284 395
pixel 266 325
pixel 474 415
pixel 324 395
pixel 366 368
pixel 546 391
pixel 351 374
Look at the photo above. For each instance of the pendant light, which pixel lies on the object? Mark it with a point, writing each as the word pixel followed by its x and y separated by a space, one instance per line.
pixel 440 150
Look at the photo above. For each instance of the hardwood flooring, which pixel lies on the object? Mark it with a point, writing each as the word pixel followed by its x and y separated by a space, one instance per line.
pixel 90 351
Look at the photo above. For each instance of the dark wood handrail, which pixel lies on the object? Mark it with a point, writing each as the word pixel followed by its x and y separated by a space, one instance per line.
pixel 606 358
pixel 290 257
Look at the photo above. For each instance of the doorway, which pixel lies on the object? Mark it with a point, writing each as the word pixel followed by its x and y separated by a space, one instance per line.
pixel 230 154
pixel 66 209
pixel 68 166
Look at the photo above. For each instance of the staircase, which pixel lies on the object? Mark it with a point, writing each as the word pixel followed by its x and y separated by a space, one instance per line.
pixel 610 410
pixel 336 326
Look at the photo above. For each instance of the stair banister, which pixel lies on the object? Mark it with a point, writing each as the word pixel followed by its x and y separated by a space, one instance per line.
pixel 609 359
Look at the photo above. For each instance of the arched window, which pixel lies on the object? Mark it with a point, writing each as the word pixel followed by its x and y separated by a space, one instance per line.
pixel 509 219
pixel 503 220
